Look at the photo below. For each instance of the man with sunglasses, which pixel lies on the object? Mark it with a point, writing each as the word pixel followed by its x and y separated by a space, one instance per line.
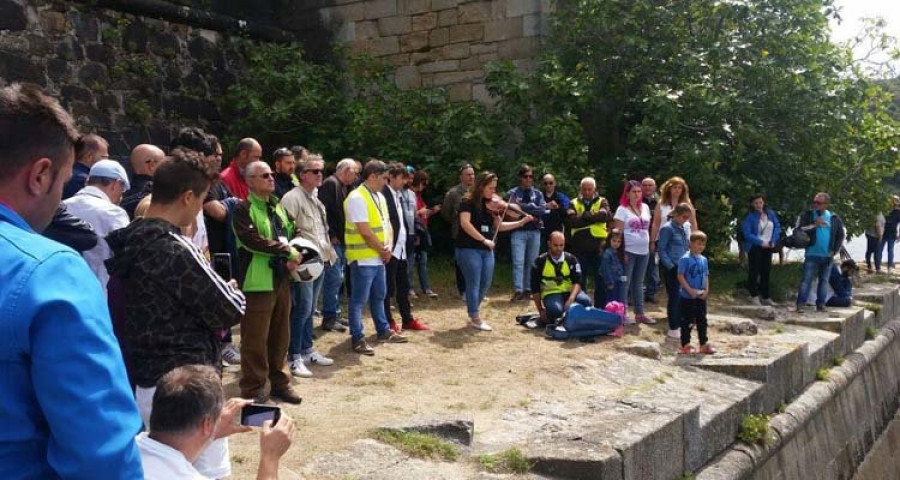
pixel 526 241
pixel 557 205
pixel 826 232
pixel 283 164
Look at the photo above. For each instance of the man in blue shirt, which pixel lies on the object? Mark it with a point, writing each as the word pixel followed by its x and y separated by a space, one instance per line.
pixel 827 234
pixel 525 242
pixel 67 411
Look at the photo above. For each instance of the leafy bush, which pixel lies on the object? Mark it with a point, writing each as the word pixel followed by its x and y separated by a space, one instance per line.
pixel 754 429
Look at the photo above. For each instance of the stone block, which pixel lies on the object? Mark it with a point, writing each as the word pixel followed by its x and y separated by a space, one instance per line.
pixel 366 30
pixel 73 93
pixel 471 63
pixel 394 25
pixel 408 78
pixel 503 29
pixel 427 21
pixel 99 52
pixel 69 49
pixel 38 46
pixel 136 37
pixel 444 4
pixel 448 78
pixel 442 66
pixel 59 70
pixel 384 46
pixel 413 7
pixel 738 326
pixel 12 16
pixel 531 25
pixel 448 17
pixel 850 326
pixel 481 95
pixel 439 37
pixel 651 444
pixel 352 12
pixel 93 75
pixel 456 51
pixel 518 48
pixel 517 8
pixel 460 92
pixel 466 33
pixel 87 27
pixel 109 102
pixel 754 311
pixel 54 23
pixel 574 459
pixel 380 8
pixel 15 43
pixel 399 60
pixel 457 429
pixel 347 32
pixel 414 42
pixel 479 48
pixel 477 12
pixel 419 58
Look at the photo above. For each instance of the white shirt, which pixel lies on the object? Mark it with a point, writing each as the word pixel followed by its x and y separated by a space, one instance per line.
pixel 637 229
pixel 162 462
pixel 200 239
pixel 766 229
pixel 358 212
pixel 94 207
pixel 400 247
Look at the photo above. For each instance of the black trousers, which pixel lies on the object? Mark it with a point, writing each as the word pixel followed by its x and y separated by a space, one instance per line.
pixel 693 310
pixel 760 262
pixel 397 286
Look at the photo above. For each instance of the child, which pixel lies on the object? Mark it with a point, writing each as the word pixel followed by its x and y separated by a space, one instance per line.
pixel 841 281
pixel 672 245
pixel 612 272
pixel 693 276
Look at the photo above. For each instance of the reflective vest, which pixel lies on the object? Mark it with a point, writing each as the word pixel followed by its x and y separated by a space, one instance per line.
pixel 598 230
pixel 357 249
pixel 555 278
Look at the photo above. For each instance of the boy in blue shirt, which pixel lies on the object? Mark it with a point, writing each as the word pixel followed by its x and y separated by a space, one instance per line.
pixel 693 276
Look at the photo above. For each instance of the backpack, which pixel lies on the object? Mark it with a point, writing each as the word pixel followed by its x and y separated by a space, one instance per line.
pixel 581 321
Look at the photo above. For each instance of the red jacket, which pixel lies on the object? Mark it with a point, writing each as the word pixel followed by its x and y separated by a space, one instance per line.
pixel 235 182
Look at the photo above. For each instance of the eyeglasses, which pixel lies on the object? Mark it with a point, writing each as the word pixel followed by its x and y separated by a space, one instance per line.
pixel 266 175
pixel 526 176
pixel 314 171
pixel 549 183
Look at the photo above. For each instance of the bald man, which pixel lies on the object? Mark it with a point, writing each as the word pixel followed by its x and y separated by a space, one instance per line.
pixel 144 159
pixel 248 151
pixel 556 280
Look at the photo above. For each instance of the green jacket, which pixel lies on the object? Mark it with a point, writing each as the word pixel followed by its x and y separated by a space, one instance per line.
pixel 257 243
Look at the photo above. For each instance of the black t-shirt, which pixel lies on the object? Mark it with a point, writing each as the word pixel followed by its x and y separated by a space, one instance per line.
pixel 216 232
pixel 482 220
pixel 890 225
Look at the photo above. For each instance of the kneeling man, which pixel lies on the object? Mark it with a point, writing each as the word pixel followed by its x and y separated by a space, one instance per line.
pixel 556 280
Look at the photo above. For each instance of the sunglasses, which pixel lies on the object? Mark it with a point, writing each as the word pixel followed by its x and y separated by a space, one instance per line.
pixel 314 171
pixel 266 175
pixel 549 183
pixel 526 176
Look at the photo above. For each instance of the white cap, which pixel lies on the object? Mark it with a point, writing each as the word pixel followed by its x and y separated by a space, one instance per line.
pixel 110 169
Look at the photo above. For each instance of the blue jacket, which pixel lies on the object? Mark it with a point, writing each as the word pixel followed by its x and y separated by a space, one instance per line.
pixel 532 202
pixel 750 229
pixel 611 268
pixel 673 243
pixel 66 410
pixel 840 283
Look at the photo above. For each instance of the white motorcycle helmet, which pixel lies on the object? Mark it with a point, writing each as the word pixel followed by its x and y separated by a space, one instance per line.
pixel 312 265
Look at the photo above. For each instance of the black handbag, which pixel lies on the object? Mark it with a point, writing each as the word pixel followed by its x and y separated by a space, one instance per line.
pixel 798 239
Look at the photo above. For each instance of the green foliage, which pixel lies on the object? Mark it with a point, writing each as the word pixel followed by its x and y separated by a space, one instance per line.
pixel 838 360
pixel 687 476
pixel 822 374
pixel 754 429
pixel 419 445
pixel 871 333
pixel 139 111
pixel 507 461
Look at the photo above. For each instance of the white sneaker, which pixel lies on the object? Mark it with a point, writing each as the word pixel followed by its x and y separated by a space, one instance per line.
pixel 317 358
pixel 754 301
pixel 630 321
pixel 674 333
pixel 231 355
pixel 298 369
pixel 481 326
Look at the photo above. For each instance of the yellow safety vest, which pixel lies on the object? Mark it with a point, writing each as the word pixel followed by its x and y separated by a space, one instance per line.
pixel 357 249
pixel 598 230
pixel 551 282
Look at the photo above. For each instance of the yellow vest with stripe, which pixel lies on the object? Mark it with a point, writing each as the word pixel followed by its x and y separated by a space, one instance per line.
pixel 598 230
pixel 549 283
pixel 357 249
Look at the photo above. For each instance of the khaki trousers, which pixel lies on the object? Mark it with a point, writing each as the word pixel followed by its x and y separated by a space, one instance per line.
pixel 265 335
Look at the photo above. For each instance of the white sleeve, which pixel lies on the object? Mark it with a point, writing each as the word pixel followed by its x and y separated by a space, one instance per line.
pixel 621 214
pixel 357 211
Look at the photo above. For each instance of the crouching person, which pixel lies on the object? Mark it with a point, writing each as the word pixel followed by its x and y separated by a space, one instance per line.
pixel 189 412
pixel 841 281
pixel 556 280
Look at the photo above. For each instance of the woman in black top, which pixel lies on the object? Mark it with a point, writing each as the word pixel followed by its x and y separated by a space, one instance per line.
pixel 890 232
pixel 475 242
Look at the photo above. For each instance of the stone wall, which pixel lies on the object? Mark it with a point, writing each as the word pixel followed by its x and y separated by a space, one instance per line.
pixel 443 43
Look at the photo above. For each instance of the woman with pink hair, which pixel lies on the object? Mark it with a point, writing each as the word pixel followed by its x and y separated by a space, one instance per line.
pixel 633 219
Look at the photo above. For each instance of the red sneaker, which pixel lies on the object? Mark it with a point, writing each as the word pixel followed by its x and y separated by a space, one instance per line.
pixel 707 349
pixel 687 350
pixel 415 324
pixel 396 328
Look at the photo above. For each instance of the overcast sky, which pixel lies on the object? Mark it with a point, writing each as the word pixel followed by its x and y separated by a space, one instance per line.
pixel 852 11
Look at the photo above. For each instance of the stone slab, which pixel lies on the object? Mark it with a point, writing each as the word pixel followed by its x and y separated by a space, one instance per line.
pixel 574 459
pixel 849 323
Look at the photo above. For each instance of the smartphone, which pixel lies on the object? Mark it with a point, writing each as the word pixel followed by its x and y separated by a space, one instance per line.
pixel 222 265
pixel 255 414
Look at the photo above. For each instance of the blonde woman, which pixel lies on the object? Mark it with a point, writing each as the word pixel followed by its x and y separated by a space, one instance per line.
pixel 674 191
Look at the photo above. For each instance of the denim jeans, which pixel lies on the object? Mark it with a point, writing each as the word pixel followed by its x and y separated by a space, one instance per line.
pixel 873 248
pixel 525 245
pixel 603 295
pixel 673 305
pixel 420 259
pixel 890 251
pixel 477 267
pixel 369 286
pixel 304 304
pixel 635 270
pixel 651 278
pixel 331 288
pixel 555 302
pixel 814 267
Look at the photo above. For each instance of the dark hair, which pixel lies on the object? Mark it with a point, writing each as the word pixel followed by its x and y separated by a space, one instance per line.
pixel 373 166
pixel 185 397
pixel 397 169
pixel 33 126
pixel 299 150
pixel 280 153
pixel 181 171
pixel 475 194
pixel 683 207
pixel 620 252
pixel 419 177
pixel 754 197
pixel 523 169
pixel 87 145
pixel 848 264
pixel 193 138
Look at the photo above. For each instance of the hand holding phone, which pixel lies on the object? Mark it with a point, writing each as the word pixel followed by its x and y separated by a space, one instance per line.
pixel 222 265
pixel 255 414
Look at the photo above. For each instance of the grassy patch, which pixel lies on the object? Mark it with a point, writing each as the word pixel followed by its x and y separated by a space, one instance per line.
pixel 782 407
pixel 421 445
pixel 507 461
pixel 871 333
pixel 687 476
pixel 754 429
pixel 838 360
pixel 822 374
pixel 730 277
pixel 778 329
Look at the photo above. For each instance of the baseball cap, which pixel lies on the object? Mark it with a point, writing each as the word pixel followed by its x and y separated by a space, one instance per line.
pixel 110 169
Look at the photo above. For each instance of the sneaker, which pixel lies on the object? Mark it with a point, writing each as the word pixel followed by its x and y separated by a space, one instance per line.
pixel 484 327
pixel 707 349
pixel 431 294
pixel 394 327
pixel 257 397
pixel 687 350
pixel 800 309
pixel 674 333
pixel 412 295
pixel 644 319
pixel 755 301
pixel 362 347
pixel 333 325
pixel 298 369
pixel 317 358
pixel 767 302
pixel 391 336
pixel 415 324
pixel 629 321
pixel 821 308
pixel 287 394
pixel 231 355
pixel 517 297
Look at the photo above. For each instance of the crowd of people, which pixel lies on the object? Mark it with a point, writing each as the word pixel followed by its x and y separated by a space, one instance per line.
pixel 183 250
